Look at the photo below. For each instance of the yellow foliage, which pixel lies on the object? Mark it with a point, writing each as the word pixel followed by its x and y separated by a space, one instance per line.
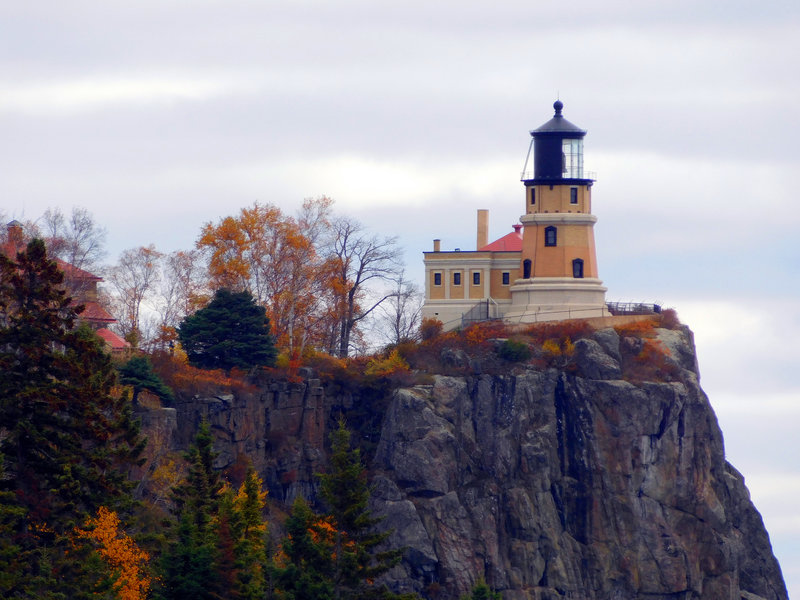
pixel 166 476
pixel 282 361
pixel 120 553
pixel 554 347
pixel 383 367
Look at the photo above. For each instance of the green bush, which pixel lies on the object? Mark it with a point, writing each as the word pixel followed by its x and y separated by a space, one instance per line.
pixel 514 351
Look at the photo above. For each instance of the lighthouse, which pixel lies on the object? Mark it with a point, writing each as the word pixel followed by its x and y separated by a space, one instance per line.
pixel 558 262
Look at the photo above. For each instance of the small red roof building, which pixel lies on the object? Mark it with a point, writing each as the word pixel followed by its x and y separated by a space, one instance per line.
pixel 81 285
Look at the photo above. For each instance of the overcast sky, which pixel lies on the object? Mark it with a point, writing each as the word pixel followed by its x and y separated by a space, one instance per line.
pixel 159 116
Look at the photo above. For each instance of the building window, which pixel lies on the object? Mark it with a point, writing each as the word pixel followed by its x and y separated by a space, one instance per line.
pixel 506 277
pixel 577 268
pixel 526 268
pixel 437 279
pixel 550 236
pixel 476 278
pixel 456 278
pixel 533 195
pixel 573 195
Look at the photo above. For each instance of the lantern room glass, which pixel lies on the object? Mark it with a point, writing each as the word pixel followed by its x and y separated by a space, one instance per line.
pixel 572 154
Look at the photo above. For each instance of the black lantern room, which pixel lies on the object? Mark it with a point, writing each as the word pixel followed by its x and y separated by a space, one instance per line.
pixel 556 153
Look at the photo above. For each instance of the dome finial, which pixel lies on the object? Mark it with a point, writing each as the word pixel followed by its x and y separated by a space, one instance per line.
pixel 558 105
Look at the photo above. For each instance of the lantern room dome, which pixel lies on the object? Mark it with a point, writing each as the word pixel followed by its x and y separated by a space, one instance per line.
pixel 559 125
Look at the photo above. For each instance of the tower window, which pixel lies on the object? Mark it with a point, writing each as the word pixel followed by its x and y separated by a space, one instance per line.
pixel 550 236
pixel 533 196
pixel 573 195
pixel 577 268
pixel 506 277
pixel 437 279
pixel 476 278
pixel 526 268
pixel 456 278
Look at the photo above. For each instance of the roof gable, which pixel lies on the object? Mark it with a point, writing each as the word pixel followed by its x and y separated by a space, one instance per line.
pixel 511 242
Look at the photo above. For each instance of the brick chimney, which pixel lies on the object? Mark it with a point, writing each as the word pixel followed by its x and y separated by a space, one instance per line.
pixel 483 228
pixel 15 239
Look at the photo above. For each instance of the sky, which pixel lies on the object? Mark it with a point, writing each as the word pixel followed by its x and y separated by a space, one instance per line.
pixel 160 116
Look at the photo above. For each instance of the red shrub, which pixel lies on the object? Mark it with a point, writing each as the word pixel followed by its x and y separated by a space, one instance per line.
pixel 669 319
pixel 574 329
pixel 430 329
pixel 641 329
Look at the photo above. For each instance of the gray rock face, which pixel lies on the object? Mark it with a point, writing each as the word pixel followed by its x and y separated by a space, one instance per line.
pixel 582 485
pixel 550 484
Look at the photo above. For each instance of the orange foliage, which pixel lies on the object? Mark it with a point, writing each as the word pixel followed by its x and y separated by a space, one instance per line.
pixel 326 366
pixel 120 553
pixel 273 256
pixel 430 329
pixel 652 349
pixel 478 333
pixel 574 329
pixel 177 373
pixel 643 328
pixel 651 363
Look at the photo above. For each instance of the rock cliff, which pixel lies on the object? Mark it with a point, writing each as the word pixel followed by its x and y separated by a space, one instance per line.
pixel 570 482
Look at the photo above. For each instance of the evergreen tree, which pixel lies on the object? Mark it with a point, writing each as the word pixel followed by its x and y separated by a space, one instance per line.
pixel 304 569
pixel 67 439
pixel 187 567
pixel 347 493
pixel 481 591
pixel 232 331
pixel 11 516
pixel 138 372
pixel 249 533
pixel 226 564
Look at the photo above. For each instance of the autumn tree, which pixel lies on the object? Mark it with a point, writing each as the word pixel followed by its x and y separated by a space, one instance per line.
pixel 358 261
pixel 67 437
pixel 134 279
pixel 275 258
pixel 232 331
pixel 125 560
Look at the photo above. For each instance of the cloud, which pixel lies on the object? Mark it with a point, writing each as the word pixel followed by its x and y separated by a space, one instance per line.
pixel 68 97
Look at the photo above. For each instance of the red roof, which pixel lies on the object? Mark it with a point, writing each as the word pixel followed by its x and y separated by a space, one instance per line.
pixel 511 242
pixel 113 340
pixel 73 272
pixel 94 312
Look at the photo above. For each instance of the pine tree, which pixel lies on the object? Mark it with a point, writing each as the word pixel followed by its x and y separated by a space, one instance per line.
pixel 11 515
pixel 67 438
pixel 232 331
pixel 481 591
pixel 250 531
pixel 138 372
pixel 187 567
pixel 347 493
pixel 304 569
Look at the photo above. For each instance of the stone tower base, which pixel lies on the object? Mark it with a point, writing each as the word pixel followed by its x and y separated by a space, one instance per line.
pixel 556 299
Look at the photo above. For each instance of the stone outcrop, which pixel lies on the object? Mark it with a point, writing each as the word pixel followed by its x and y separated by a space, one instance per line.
pixel 558 483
